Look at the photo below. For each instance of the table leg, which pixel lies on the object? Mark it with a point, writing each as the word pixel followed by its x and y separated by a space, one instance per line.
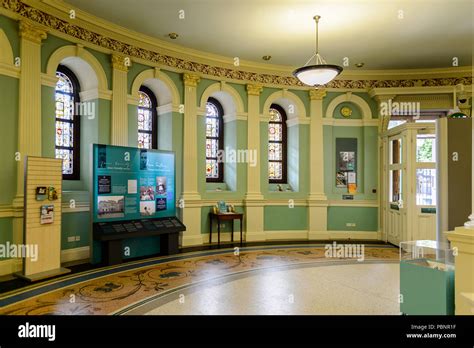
pixel 232 235
pixel 210 229
pixel 240 231
pixel 218 232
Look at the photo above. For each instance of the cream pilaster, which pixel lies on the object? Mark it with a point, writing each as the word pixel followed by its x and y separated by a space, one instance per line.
pixel 190 200
pixel 253 199
pixel 29 117
pixel 317 200
pixel 119 127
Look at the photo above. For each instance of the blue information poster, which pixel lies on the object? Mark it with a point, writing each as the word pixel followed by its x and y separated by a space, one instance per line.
pixel 132 184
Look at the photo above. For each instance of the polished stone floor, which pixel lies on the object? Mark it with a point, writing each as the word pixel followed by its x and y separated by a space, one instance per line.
pixel 293 279
pixel 356 289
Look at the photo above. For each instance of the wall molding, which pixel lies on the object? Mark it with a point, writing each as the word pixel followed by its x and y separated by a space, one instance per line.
pixel 140 47
pixel 9 70
pixel 350 123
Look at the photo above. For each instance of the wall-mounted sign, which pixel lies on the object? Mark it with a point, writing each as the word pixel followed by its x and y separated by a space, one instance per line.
pixel 348 197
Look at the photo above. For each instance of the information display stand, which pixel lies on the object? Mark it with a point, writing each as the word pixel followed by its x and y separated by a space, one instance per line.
pixel 42 219
pixel 133 197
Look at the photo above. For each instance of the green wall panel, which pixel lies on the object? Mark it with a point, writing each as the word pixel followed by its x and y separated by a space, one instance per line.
pixel 10 28
pixel 284 218
pixel 9 137
pixel 48 122
pixel 48 47
pixel 6 231
pixel 365 218
pixel 75 224
pixel 133 72
pixel 226 227
pixel 203 84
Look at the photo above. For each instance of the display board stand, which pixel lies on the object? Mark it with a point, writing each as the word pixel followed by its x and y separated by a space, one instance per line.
pixel 42 219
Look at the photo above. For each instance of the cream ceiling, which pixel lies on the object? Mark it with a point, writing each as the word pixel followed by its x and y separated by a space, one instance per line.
pixel 429 35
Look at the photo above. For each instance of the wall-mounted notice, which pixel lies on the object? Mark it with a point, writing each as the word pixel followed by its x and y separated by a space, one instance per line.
pixel 47 214
pixel 131 183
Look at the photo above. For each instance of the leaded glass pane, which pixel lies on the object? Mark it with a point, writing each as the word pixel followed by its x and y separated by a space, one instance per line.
pixel 144 140
pixel 64 98
pixel 275 170
pixel 64 134
pixel 67 157
pixel 145 121
pixel 144 100
pixel 275 116
pixel 212 110
pixel 64 84
pixel 212 169
pixel 275 152
pixel 212 127
pixel 213 134
pixel 275 132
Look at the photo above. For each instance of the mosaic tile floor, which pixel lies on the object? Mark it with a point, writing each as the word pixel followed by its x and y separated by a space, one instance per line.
pixel 131 288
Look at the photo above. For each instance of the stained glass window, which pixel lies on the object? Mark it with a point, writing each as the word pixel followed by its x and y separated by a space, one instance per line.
pixel 277 145
pixel 147 119
pixel 67 122
pixel 214 141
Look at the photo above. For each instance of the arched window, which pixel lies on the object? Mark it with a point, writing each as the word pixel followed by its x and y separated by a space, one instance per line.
pixel 67 145
pixel 277 145
pixel 147 119
pixel 214 140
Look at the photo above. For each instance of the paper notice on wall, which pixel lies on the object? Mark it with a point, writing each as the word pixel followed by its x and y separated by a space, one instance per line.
pixel 351 178
pixel 132 186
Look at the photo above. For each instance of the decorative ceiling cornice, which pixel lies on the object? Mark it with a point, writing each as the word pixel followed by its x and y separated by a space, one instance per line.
pixel 119 47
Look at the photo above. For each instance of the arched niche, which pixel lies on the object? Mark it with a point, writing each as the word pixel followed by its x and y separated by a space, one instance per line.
pixel 229 98
pixel 160 84
pixel 351 98
pixel 290 102
pixel 87 68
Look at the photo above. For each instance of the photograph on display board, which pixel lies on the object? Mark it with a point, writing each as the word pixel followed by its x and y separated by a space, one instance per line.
pixel 102 156
pixel 346 161
pixel 161 185
pixel 147 193
pixel 341 179
pixel 161 204
pixel 110 207
pixel 143 160
pixel 147 208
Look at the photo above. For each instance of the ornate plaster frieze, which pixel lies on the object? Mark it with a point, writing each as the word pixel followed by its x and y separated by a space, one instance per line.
pixel 119 47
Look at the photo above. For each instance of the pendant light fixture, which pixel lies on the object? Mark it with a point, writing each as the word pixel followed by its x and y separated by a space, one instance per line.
pixel 320 73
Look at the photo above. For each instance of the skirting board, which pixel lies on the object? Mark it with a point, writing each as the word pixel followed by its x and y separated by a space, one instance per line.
pixel 10 266
pixel 75 254
pixel 294 235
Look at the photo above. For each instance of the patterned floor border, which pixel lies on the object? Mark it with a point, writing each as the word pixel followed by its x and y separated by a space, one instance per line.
pixel 46 288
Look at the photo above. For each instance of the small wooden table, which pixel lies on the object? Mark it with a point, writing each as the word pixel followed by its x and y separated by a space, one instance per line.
pixel 225 217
